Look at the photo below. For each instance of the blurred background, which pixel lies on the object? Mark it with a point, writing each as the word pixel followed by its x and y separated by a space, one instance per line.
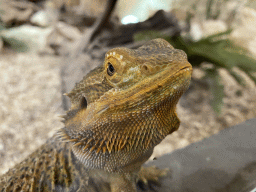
pixel 48 45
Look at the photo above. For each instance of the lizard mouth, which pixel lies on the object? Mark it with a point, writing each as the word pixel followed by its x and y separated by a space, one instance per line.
pixel 174 83
pixel 173 79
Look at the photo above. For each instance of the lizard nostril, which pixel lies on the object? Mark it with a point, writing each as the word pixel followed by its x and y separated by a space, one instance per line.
pixel 83 103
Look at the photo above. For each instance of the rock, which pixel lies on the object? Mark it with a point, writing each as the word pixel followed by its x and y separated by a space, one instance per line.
pixel 224 162
pixel 68 31
pixel 195 31
pixel 62 37
pixel 244 33
pixel 211 27
pixel 16 12
pixel 34 38
pixel 40 18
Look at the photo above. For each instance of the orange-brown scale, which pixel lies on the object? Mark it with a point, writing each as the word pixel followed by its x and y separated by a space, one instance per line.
pixel 146 85
pixel 118 113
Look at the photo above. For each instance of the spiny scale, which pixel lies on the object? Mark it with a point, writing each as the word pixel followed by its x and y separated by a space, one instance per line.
pixel 119 112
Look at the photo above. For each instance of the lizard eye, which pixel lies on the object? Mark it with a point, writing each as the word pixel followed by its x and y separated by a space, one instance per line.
pixel 110 70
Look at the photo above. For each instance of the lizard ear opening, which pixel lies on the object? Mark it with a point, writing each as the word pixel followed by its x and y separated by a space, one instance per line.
pixel 83 103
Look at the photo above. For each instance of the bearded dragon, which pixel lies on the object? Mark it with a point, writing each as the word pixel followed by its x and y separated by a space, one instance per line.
pixel 119 112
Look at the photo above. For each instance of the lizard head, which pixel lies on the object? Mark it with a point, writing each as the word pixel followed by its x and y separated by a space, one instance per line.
pixel 129 102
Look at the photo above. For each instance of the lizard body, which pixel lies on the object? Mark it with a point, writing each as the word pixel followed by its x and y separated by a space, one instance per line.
pixel 119 112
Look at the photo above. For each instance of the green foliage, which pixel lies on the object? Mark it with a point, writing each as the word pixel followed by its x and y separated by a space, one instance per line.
pixel 216 88
pixel 216 49
pixel 15 44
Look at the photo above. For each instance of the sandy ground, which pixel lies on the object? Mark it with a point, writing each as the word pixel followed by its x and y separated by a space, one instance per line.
pixel 30 101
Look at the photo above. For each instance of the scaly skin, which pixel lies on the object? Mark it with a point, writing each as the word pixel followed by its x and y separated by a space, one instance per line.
pixel 119 112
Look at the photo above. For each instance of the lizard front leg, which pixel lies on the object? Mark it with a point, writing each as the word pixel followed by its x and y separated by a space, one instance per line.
pixel 126 182
pixel 123 182
pixel 150 175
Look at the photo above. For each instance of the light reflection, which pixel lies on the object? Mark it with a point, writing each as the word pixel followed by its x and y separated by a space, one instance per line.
pixel 140 10
pixel 129 19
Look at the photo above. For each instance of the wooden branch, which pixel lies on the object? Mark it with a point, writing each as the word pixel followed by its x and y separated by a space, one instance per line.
pixel 92 32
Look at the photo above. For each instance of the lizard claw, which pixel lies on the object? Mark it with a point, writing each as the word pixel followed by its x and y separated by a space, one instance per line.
pixel 150 175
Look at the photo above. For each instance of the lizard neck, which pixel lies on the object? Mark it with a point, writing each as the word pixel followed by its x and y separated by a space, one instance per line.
pixel 123 137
